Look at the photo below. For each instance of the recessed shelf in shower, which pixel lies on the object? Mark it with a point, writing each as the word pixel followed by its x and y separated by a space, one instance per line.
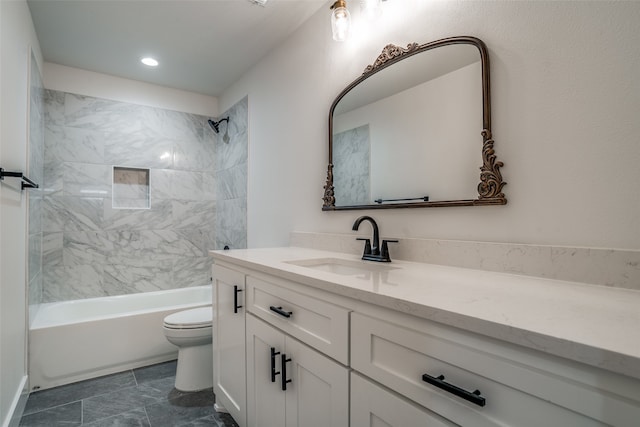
pixel 130 188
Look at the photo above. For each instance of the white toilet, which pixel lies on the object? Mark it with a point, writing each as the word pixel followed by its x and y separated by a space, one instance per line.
pixel 191 331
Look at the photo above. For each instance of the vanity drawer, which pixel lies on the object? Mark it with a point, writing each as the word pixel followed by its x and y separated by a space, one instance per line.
pixel 372 405
pixel 518 385
pixel 320 324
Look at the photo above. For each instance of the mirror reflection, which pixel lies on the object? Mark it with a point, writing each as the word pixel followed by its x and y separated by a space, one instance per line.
pixel 410 133
pixel 411 130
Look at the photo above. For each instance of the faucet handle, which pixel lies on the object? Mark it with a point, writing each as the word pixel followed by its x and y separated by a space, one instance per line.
pixel 367 245
pixel 384 251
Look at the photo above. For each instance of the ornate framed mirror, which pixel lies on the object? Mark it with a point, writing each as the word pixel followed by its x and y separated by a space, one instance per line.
pixel 407 132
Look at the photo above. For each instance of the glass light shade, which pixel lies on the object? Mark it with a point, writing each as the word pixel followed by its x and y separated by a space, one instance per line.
pixel 371 9
pixel 340 23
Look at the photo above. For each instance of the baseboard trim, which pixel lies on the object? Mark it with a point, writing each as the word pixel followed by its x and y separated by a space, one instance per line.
pixel 17 406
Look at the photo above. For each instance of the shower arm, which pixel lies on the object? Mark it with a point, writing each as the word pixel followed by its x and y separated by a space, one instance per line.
pixel 216 125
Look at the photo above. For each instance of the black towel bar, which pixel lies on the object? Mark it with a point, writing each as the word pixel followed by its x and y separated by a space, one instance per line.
pixel 26 182
pixel 423 198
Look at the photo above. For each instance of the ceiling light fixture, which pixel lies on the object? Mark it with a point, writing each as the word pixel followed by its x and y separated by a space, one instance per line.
pixel 151 62
pixel 260 2
pixel 340 21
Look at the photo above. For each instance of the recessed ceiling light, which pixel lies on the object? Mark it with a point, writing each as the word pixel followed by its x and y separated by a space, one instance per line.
pixel 149 61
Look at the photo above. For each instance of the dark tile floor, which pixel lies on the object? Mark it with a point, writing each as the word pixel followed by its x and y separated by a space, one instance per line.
pixel 143 397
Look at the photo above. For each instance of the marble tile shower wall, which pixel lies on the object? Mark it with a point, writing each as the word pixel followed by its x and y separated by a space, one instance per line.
pixel 92 249
pixel 351 167
pixel 35 171
pixel 231 178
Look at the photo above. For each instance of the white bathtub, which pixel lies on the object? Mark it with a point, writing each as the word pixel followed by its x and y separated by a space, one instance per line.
pixel 76 340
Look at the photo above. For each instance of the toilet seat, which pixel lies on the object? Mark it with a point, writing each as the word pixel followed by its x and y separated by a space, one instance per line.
pixel 196 318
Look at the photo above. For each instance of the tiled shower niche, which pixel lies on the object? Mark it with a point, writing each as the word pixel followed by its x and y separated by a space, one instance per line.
pixel 130 188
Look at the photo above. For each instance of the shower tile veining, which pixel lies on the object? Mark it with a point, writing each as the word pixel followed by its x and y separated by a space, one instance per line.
pixel 139 397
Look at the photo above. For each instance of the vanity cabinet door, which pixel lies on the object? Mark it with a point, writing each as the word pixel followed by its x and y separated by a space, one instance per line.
pixel 373 406
pixel 291 385
pixel 265 398
pixel 318 395
pixel 229 380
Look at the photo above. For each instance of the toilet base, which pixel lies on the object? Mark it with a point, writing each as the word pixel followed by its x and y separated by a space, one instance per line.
pixel 195 368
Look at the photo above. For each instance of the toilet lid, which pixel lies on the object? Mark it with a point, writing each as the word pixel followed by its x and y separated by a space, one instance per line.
pixel 190 319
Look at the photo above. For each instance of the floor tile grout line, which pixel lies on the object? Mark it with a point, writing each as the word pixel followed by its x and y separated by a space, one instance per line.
pixel 86 397
pixel 157 400
pixel 124 387
pixel 135 379
pixel 146 414
pixel 100 420
pixel 52 407
pixel 119 388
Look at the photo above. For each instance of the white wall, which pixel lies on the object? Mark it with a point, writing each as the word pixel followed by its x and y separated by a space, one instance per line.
pixel 16 35
pixel 89 83
pixel 565 102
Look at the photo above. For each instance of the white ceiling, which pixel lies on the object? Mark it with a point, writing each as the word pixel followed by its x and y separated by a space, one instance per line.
pixel 203 46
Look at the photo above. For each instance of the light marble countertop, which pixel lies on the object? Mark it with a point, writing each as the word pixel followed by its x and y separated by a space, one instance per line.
pixel 596 325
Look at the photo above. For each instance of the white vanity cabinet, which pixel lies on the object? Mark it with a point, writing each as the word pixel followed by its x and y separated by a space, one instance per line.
pixel 290 384
pixel 359 364
pixel 267 327
pixel 229 380
pixel 478 381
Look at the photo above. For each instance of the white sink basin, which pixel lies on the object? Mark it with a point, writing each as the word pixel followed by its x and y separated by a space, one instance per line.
pixel 343 267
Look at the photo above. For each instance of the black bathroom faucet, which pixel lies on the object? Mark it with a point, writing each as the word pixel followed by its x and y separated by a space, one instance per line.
pixel 373 252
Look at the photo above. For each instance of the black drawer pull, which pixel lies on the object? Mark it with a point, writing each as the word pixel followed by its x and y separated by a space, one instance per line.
pixel 473 397
pixel 236 290
pixel 285 381
pixel 281 312
pixel 274 353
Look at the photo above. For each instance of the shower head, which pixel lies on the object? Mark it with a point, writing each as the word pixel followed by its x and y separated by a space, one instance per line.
pixel 216 125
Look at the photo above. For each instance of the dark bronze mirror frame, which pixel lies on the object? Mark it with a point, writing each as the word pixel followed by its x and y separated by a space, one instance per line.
pixel 491 183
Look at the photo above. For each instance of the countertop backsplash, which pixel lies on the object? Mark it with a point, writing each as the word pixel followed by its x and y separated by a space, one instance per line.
pixel 604 267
